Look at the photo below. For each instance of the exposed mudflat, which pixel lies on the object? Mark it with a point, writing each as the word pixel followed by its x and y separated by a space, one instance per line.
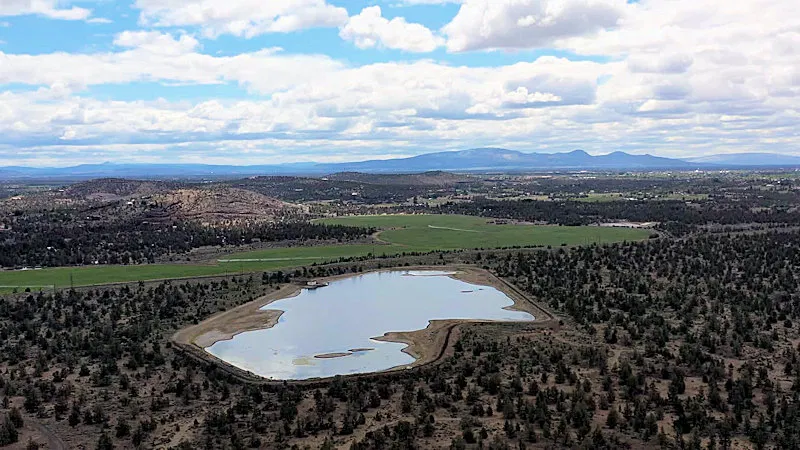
pixel 248 317
pixel 332 355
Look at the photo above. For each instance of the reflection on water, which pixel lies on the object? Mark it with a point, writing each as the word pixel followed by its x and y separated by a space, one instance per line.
pixel 343 317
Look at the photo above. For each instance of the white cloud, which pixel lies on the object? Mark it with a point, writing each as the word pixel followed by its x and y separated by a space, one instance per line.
pixel 521 96
pixel 246 18
pixel 156 42
pixel 690 57
pixel 428 2
pixel 677 78
pixel 357 103
pixel 660 63
pixel 46 8
pixel 370 29
pixel 160 57
pixel 318 104
pixel 521 24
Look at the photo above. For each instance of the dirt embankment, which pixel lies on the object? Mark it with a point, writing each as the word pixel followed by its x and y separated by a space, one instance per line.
pixel 426 346
pixel 227 324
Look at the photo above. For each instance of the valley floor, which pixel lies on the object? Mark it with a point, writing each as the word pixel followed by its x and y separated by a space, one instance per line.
pixel 400 234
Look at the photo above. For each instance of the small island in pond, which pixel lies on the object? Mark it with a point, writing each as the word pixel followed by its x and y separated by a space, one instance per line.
pixel 342 354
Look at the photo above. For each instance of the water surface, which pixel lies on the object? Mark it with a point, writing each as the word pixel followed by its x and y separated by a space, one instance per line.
pixel 348 313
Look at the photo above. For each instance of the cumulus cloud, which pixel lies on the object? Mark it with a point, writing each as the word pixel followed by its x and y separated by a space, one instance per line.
pixel 428 2
pixel 521 24
pixel 575 83
pixel 690 57
pixel 156 42
pixel 370 29
pixel 336 103
pixel 679 77
pixel 162 57
pixel 521 96
pixel 47 8
pixel 245 18
pixel 660 63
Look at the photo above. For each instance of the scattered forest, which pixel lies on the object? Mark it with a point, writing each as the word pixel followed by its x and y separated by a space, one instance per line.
pixel 62 237
pixel 689 340
pixel 687 343
pixel 677 216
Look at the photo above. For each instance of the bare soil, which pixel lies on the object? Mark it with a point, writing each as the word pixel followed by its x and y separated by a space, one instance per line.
pixel 227 324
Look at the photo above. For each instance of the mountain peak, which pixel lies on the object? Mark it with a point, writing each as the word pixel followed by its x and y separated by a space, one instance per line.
pixel 578 152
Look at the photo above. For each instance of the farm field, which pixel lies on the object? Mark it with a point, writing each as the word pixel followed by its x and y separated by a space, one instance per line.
pixel 441 232
pixel 59 277
pixel 399 233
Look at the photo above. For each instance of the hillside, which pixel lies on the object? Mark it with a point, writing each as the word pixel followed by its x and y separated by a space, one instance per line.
pixel 499 159
pixel 114 199
pixel 223 204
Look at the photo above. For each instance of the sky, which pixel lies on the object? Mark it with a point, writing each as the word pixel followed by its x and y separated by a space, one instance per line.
pixel 275 81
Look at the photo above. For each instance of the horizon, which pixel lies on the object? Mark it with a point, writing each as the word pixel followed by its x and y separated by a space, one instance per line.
pixel 243 82
pixel 378 158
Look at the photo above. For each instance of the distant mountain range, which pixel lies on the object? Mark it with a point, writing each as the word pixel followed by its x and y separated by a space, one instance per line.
pixel 473 160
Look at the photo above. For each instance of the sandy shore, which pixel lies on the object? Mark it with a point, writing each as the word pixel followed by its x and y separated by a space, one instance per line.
pixel 424 345
pixel 227 324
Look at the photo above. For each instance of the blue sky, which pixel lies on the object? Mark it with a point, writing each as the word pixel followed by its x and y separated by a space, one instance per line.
pixel 254 81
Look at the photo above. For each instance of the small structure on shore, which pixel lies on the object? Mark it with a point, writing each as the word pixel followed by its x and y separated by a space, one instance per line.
pixel 314 284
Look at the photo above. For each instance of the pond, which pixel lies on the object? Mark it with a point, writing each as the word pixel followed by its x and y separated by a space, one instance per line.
pixel 330 330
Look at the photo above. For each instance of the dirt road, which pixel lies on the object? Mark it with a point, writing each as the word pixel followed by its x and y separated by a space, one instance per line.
pixel 38 429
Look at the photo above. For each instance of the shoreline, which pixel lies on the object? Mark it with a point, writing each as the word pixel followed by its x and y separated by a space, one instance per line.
pixel 226 325
pixel 424 345
pixel 421 344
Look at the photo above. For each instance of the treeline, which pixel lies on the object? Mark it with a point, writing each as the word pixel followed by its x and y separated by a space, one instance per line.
pixel 89 360
pixel 60 238
pixel 723 211
pixel 654 186
pixel 678 344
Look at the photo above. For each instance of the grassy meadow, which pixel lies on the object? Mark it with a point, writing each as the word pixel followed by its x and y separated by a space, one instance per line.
pixel 442 232
pixel 399 233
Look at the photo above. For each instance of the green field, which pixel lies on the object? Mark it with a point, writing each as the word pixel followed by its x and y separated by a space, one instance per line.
pixel 400 233
pixel 440 232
